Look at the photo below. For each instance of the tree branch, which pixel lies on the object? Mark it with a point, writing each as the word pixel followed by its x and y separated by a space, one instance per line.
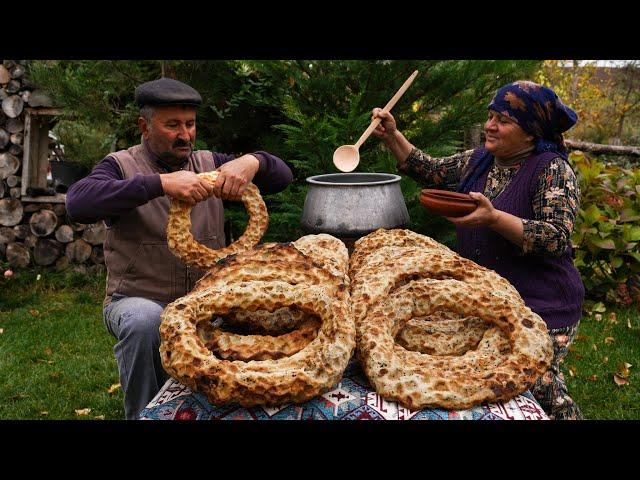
pixel 598 148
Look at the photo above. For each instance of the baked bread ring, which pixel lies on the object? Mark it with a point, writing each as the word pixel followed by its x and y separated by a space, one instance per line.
pixel 437 330
pixel 297 378
pixel 282 262
pixel 365 246
pixel 389 267
pixel 232 346
pixel 440 334
pixel 419 380
pixel 181 241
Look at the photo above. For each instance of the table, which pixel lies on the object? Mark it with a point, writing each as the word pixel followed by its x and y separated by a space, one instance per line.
pixel 351 399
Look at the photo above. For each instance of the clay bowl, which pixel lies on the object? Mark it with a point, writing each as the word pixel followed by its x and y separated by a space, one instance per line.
pixel 447 204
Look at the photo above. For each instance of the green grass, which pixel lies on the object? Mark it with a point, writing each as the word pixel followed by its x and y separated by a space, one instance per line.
pixel 600 350
pixel 55 354
pixel 57 357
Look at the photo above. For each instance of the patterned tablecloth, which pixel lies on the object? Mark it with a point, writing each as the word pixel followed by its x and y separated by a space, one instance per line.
pixel 351 399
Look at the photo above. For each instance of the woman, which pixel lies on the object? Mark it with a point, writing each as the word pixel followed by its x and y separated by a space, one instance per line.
pixel 527 197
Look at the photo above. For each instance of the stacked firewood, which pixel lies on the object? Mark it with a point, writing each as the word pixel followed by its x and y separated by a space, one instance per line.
pixel 41 234
pixel 33 233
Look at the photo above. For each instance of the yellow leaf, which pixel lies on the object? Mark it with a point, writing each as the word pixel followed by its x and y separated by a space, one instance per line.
pixel 44 414
pixel 629 322
pixel 624 371
pixel 1 331
pixel 595 347
pixel 593 378
pixel 613 318
pixel 99 417
pixel 48 351
pixel 572 372
pixel 598 317
pixel 620 380
pixel 627 365
pixel 605 360
pixel 82 412
pixel 34 312
pixel 609 340
pixel 113 388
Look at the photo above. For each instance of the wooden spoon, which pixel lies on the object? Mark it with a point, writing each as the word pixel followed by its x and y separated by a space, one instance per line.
pixel 347 157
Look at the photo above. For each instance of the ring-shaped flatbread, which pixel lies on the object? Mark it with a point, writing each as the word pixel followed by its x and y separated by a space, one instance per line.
pixel 180 239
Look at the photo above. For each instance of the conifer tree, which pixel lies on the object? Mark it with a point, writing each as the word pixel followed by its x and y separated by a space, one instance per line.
pixel 300 110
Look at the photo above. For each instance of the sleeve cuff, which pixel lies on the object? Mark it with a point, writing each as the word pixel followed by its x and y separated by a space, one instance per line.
pixel 152 185
pixel 262 161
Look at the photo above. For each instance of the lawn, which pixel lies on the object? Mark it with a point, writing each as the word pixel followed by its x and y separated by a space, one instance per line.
pixel 56 357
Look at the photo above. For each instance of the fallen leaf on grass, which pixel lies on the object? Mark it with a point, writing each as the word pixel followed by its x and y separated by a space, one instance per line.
pixel 593 378
pixel 629 323
pixel 624 371
pixel 572 372
pixel 82 412
pixel 99 417
pixel 44 414
pixel 620 380
pixel 1 331
pixel 609 340
pixel 613 318
pixel 113 388
pixel 19 396
pixel 34 312
pixel 48 351
pixel 605 360
pixel 598 317
pixel 42 360
pixel 595 347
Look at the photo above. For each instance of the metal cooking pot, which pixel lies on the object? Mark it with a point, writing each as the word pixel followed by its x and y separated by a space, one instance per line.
pixel 353 204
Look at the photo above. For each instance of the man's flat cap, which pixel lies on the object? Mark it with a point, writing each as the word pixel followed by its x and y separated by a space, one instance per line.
pixel 166 91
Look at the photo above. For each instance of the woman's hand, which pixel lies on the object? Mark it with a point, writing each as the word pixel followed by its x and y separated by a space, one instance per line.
pixel 387 127
pixel 483 216
pixel 507 225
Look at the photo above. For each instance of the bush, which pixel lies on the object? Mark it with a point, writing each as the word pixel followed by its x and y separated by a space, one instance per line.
pixel 606 232
pixel 83 143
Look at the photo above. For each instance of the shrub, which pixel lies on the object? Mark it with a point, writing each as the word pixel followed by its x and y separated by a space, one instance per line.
pixel 606 232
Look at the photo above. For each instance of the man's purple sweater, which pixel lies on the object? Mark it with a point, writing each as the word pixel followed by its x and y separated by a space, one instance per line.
pixel 105 195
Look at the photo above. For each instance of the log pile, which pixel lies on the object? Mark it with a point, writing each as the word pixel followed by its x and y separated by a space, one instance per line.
pixel 33 233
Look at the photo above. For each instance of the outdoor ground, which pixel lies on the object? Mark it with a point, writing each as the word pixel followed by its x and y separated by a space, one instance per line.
pixel 56 358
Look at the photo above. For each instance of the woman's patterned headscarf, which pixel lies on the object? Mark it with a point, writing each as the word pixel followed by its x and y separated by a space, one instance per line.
pixel 538 111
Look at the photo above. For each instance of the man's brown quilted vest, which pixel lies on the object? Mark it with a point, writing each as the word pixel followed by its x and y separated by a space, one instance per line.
pixel 139 263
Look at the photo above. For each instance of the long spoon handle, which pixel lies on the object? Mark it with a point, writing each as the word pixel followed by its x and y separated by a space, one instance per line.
pixel 387 108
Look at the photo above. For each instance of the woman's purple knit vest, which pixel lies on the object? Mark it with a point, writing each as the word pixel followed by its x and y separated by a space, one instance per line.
pixel 551 286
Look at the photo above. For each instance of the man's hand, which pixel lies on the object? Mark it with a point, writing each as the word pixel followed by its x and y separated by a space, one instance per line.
pixel 235 176
pixel 186 186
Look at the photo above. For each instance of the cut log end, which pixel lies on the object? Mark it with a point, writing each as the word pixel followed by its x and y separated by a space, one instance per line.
pixel 78 251
pixel 43 223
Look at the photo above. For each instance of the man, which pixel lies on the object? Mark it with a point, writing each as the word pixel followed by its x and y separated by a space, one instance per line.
pixel 128 190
